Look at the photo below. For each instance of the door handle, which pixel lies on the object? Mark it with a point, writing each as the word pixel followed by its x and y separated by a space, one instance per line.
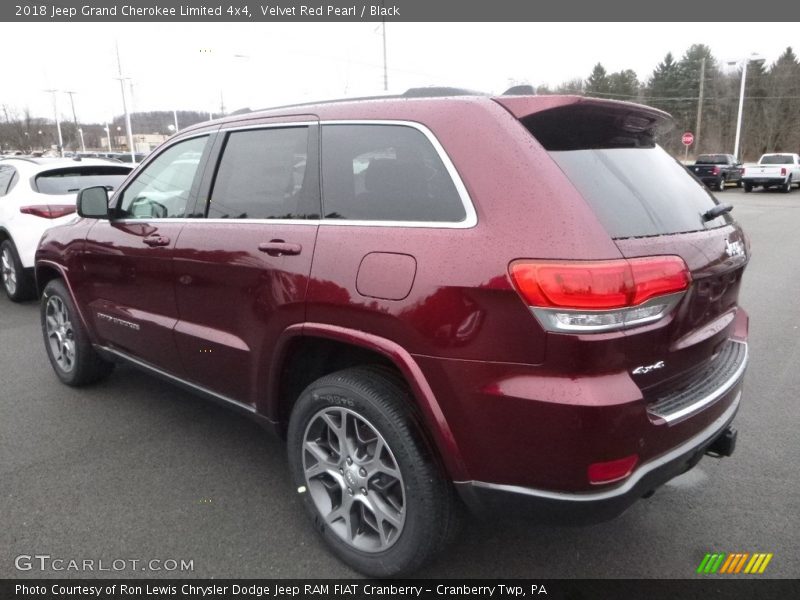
pixel 156 240
pixel 280 248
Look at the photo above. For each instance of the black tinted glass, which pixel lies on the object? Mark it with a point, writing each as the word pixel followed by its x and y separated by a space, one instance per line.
pixel 638 191
pixel 385 173
pixel 262 175
pixel 71 181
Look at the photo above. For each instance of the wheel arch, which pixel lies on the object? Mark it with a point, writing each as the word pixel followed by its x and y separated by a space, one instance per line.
pixel 323 349
pixel 46 271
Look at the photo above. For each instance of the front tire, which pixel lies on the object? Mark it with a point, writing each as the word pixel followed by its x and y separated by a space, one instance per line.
pixel 366 474
pixel 16 282
pixel 74 360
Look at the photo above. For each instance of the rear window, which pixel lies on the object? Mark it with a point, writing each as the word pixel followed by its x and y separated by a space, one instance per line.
pixel 72 180
pixel 776 160
pixel 634 187
pixel 711 159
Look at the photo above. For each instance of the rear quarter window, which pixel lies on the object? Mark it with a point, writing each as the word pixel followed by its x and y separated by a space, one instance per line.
pixel 385 173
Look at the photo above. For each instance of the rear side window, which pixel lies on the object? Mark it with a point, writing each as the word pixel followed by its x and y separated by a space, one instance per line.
pixel 72 180
pixel 263 175
pixel 634 187
pixel 385 173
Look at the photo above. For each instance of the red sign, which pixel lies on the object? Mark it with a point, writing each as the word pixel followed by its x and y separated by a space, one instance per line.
pixel 688 138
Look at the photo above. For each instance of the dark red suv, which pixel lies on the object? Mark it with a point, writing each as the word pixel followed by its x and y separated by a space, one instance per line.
pixel 518 301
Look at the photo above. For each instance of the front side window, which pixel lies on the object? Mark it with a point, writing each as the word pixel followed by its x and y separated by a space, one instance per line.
pixel 385 173
pixel 162 190
pixel 263 175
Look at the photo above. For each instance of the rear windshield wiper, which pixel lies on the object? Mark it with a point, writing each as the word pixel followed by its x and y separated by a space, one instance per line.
pixel 718 210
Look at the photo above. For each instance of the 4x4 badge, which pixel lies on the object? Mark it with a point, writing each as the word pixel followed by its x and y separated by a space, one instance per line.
pixel 647 368
pixel 734 248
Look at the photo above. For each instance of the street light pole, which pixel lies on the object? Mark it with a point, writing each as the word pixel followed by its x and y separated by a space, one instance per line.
pixel 58 122
pixel 128 128
pixel 741 106
pixel 75 118
pixel 755 58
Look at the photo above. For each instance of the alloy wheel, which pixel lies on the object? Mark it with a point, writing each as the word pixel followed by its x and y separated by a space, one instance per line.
pixel 60 334
pixel 9 271
pixel 354 479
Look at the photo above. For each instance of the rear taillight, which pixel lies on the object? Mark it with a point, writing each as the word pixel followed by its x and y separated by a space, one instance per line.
pixel 715 171
pixel 590 296
pixel 783 171
pixel 612 470
pixel 48 211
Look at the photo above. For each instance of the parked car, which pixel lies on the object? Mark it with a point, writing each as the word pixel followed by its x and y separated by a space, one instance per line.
pixel 37 193
pixel 436 300
pixel 717 170
pixel 781 170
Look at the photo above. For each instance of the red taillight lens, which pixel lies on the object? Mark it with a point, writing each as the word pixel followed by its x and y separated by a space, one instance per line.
pixel 48 211
pixel 612 470
pixel 715 171
pixel 599 285
pixel 783 171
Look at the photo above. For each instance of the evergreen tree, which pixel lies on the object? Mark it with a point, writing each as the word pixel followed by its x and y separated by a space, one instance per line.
pixel 597 84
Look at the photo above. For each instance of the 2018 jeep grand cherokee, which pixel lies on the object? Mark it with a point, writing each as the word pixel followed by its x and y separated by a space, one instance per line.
pixel 437 300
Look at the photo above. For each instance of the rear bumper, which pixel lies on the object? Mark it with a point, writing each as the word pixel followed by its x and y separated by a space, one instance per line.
pixel 767 181
pixel 594 507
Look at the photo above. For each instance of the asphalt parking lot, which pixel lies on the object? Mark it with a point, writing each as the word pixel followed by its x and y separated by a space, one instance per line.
pixel 136 469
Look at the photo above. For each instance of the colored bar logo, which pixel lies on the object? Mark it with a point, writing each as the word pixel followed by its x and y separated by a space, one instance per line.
pixel 734 563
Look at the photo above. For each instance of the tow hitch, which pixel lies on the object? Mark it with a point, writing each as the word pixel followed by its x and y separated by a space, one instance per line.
pixel 724 445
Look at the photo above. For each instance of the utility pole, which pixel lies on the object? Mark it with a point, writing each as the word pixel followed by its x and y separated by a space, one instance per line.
pixel 700 107
pixel 75 119
pixel 58 122
pixel 385 70
pixel 128 128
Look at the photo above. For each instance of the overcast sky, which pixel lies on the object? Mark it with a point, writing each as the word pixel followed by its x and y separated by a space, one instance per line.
pixel 258 65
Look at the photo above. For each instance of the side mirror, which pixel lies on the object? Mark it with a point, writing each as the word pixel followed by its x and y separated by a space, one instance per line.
pixel 93 202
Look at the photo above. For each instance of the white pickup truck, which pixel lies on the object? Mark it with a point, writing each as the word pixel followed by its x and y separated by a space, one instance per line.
pixel 780 170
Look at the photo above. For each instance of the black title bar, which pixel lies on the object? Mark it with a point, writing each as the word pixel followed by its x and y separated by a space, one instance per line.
pixel 707 588
pixel 715 11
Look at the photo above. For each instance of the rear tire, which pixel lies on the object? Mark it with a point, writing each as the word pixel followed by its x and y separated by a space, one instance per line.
pixel 787 187
pixel 367 476
pixel 17 283
pixel 721 184
pixel 748 187
pixel 74 360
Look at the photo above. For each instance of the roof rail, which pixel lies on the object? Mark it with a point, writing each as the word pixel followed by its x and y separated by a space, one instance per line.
pixel 438 91
pixel 417 92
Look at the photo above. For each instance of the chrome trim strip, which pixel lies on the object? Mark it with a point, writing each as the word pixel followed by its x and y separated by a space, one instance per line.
pixel 194 386
pixel 711 398
pixel 470 219
pixel 704 436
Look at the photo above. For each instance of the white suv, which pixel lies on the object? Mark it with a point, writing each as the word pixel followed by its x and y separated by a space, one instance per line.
pixel 36 194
